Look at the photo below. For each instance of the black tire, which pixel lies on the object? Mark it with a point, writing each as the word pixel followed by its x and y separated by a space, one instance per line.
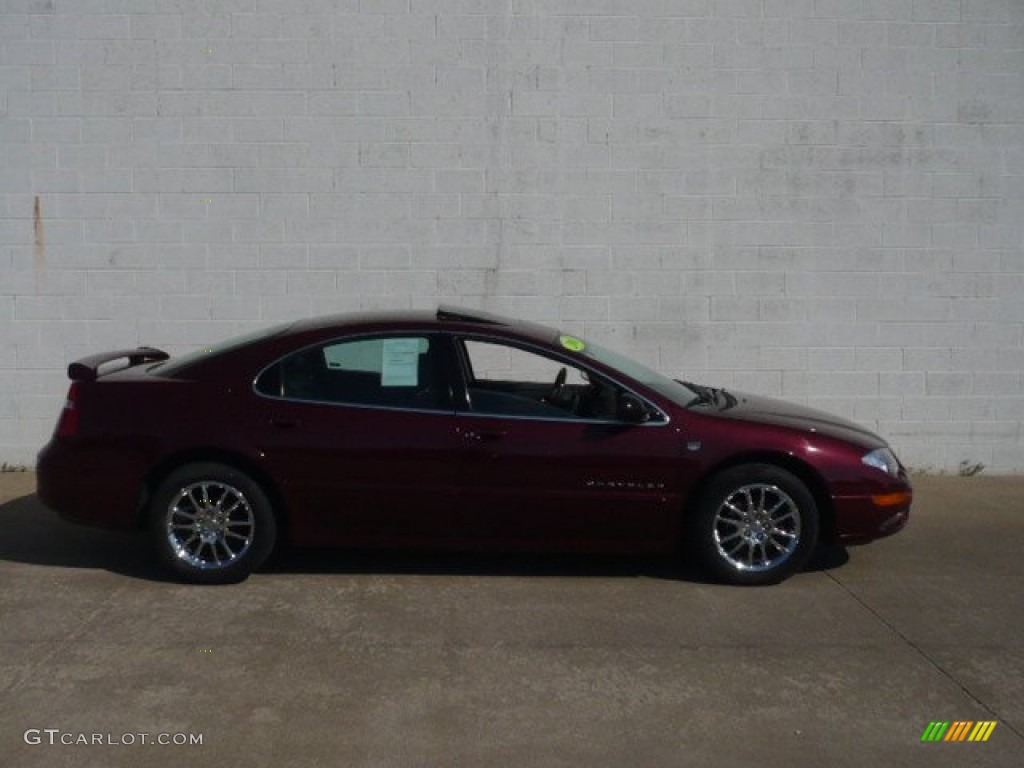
pixel 753 524
pixel 212 523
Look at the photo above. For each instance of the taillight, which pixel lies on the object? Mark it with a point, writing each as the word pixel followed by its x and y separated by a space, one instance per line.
pixel 67 424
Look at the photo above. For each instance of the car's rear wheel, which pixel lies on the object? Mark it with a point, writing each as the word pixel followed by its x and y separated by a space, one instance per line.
pixel 754 524
pixel 212 523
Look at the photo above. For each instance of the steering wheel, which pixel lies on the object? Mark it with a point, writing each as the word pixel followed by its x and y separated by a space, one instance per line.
pixel 556 389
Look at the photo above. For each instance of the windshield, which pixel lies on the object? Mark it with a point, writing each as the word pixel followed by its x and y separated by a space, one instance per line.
pixel 674 390
pixel 177 364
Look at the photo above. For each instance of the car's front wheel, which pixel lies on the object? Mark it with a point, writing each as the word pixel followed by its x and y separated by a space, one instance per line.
pixel 754 524
pixel 212 523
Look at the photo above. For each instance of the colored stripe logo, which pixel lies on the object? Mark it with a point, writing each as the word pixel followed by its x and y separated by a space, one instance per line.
pixel 959 730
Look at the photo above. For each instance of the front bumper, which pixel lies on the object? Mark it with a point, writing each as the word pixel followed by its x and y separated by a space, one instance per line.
pixel 865 517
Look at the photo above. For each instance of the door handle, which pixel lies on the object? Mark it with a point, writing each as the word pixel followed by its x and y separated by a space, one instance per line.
pixel 283 423
pixel 481 436
pixel 490 437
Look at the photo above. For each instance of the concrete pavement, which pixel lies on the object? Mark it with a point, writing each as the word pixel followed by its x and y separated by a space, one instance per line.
pixel 335 658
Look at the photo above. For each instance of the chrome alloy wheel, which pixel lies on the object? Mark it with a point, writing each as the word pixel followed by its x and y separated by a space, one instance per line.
pixel 757 527
pixel 210 525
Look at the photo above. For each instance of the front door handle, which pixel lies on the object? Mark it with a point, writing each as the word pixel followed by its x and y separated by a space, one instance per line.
pixel 283 423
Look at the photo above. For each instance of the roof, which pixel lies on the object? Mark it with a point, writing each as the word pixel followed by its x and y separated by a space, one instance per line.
pixel 444 315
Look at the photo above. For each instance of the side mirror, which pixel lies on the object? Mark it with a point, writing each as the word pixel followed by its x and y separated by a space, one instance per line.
pixel 631 409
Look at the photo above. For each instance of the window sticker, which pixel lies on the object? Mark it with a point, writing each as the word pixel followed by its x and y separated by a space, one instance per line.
pixel 399 364
pixel 572 343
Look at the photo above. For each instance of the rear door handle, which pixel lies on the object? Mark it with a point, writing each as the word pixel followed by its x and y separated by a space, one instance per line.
pixel 481 436
pixel 283 423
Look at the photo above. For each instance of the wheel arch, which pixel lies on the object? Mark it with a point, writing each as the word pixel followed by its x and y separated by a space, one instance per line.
pixel 219 456
pixel 803 471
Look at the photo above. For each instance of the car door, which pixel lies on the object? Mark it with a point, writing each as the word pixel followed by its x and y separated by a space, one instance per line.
pixel 546 465
pixel 359 433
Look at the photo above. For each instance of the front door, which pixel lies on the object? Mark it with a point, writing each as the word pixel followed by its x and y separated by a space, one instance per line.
pixel 545 460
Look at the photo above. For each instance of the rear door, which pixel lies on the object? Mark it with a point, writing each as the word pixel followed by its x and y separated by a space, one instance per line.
pixel 360 433
pixel 545 461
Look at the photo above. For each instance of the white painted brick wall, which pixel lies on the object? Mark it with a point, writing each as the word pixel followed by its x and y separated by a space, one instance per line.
pixel 815 199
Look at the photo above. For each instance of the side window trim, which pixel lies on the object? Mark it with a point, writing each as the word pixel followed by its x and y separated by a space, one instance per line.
pixel 463 405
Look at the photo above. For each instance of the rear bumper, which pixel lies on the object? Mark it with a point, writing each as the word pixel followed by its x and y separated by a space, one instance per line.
pixel 864 518
pixel 85 484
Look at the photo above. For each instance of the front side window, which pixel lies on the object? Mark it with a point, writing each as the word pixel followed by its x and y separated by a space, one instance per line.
pixel 392 371
pixel 506 380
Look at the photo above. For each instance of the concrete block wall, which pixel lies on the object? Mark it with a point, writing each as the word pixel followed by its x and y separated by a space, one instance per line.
pixel 817 199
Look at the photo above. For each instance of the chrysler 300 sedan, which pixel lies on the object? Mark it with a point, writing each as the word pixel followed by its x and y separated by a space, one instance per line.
pixel 460 430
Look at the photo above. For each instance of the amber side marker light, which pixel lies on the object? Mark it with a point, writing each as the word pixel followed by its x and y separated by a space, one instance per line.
pixel 892 499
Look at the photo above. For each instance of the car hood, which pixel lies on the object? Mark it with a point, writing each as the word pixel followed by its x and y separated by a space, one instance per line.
pixel 766 410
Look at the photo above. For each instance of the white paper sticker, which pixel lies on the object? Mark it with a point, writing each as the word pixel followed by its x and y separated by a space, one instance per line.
pixel 399 364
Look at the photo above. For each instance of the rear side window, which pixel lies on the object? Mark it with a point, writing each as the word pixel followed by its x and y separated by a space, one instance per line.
pixel 392 371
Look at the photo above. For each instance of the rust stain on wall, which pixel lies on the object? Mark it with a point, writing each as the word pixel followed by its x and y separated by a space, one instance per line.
pixel 40 238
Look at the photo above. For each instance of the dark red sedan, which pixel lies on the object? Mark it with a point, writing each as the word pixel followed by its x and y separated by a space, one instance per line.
pixel 458 430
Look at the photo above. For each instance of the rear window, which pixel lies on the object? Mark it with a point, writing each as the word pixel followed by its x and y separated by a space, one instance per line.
pixel 177 364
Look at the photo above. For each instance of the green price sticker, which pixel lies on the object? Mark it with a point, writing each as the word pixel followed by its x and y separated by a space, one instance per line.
pixel 572 343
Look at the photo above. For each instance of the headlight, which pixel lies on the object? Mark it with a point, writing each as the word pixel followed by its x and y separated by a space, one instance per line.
pixel 882 459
